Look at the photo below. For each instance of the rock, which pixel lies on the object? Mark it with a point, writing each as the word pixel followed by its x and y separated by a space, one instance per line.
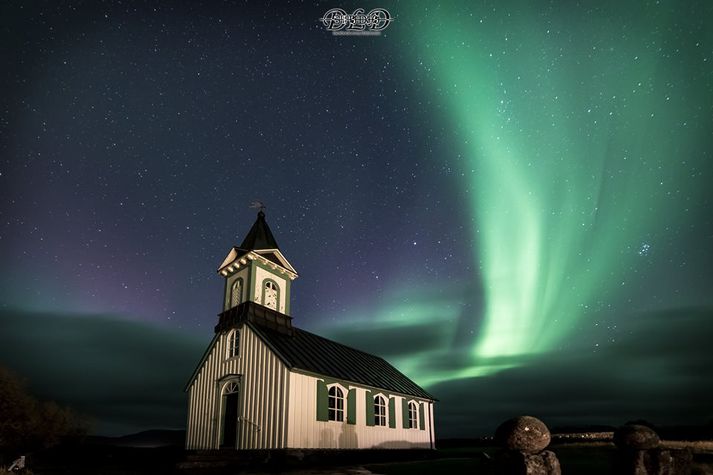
pixel 526 434
pixel 654 462
pixel 636 437
pixel 701 469
pixel 517 463
pixel 545 463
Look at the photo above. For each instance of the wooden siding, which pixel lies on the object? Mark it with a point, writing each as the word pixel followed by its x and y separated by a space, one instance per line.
pixel 305 431
pixel 263 388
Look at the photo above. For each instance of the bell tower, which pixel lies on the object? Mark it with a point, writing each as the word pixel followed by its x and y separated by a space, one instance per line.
pixel 256 271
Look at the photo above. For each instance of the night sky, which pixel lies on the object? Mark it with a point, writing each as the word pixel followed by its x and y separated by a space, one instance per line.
pixel 508 200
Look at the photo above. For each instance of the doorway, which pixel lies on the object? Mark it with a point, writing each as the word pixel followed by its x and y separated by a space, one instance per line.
pixel 231 401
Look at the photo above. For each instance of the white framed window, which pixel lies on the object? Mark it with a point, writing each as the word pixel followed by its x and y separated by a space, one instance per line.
pixel 270 294
pixel 236 293
pixel 335 406
pixel 412 415
pixel 231 388
pixel 379 411
pixel 233 343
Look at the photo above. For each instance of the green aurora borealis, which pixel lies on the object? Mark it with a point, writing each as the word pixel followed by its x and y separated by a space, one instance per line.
pixel 582 133
pixel 567 172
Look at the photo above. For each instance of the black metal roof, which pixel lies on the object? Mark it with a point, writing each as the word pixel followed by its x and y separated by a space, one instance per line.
pixel 300 349
pixel 259 236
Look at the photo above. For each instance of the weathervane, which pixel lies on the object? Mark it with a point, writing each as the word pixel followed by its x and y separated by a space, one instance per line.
pixel 257 204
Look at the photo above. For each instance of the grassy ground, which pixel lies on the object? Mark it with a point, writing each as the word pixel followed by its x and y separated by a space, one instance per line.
pixel 586 458
pixel 579 459
pixel 582 458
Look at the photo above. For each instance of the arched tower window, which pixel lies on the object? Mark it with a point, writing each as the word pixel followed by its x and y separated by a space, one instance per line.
pixel 233 343
pixel 236 293
pixel 379 411
pixel 270 296
pixel 336 404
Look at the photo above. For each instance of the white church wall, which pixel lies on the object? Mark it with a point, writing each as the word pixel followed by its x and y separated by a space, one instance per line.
pixel 305 431
pixel 263 389
pixel 202 403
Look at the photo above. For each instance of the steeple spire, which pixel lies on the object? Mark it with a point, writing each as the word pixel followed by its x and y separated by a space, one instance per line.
pixel 259 236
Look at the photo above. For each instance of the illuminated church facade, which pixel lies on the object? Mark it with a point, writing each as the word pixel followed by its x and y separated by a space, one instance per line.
pixel 263 383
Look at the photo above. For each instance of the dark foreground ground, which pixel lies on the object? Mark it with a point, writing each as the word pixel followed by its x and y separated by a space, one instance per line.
pixel 581 458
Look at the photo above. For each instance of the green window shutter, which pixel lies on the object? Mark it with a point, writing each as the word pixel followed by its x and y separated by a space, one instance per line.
pixel 351 406
pixel 404 413
pixel 322 401
pixel 421 418
pixel 369 401
pixel 392 413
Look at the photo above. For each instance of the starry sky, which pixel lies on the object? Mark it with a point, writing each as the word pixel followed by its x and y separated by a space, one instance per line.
pixel 510 201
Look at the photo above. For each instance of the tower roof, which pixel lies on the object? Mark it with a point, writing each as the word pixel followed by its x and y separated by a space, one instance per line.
pixel 259 236
pixel 259 244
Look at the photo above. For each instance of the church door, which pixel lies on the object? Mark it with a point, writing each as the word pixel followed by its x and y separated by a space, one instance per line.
pixel 230 416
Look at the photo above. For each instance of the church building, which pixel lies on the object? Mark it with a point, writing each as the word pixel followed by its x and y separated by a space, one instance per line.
pixel 263 383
